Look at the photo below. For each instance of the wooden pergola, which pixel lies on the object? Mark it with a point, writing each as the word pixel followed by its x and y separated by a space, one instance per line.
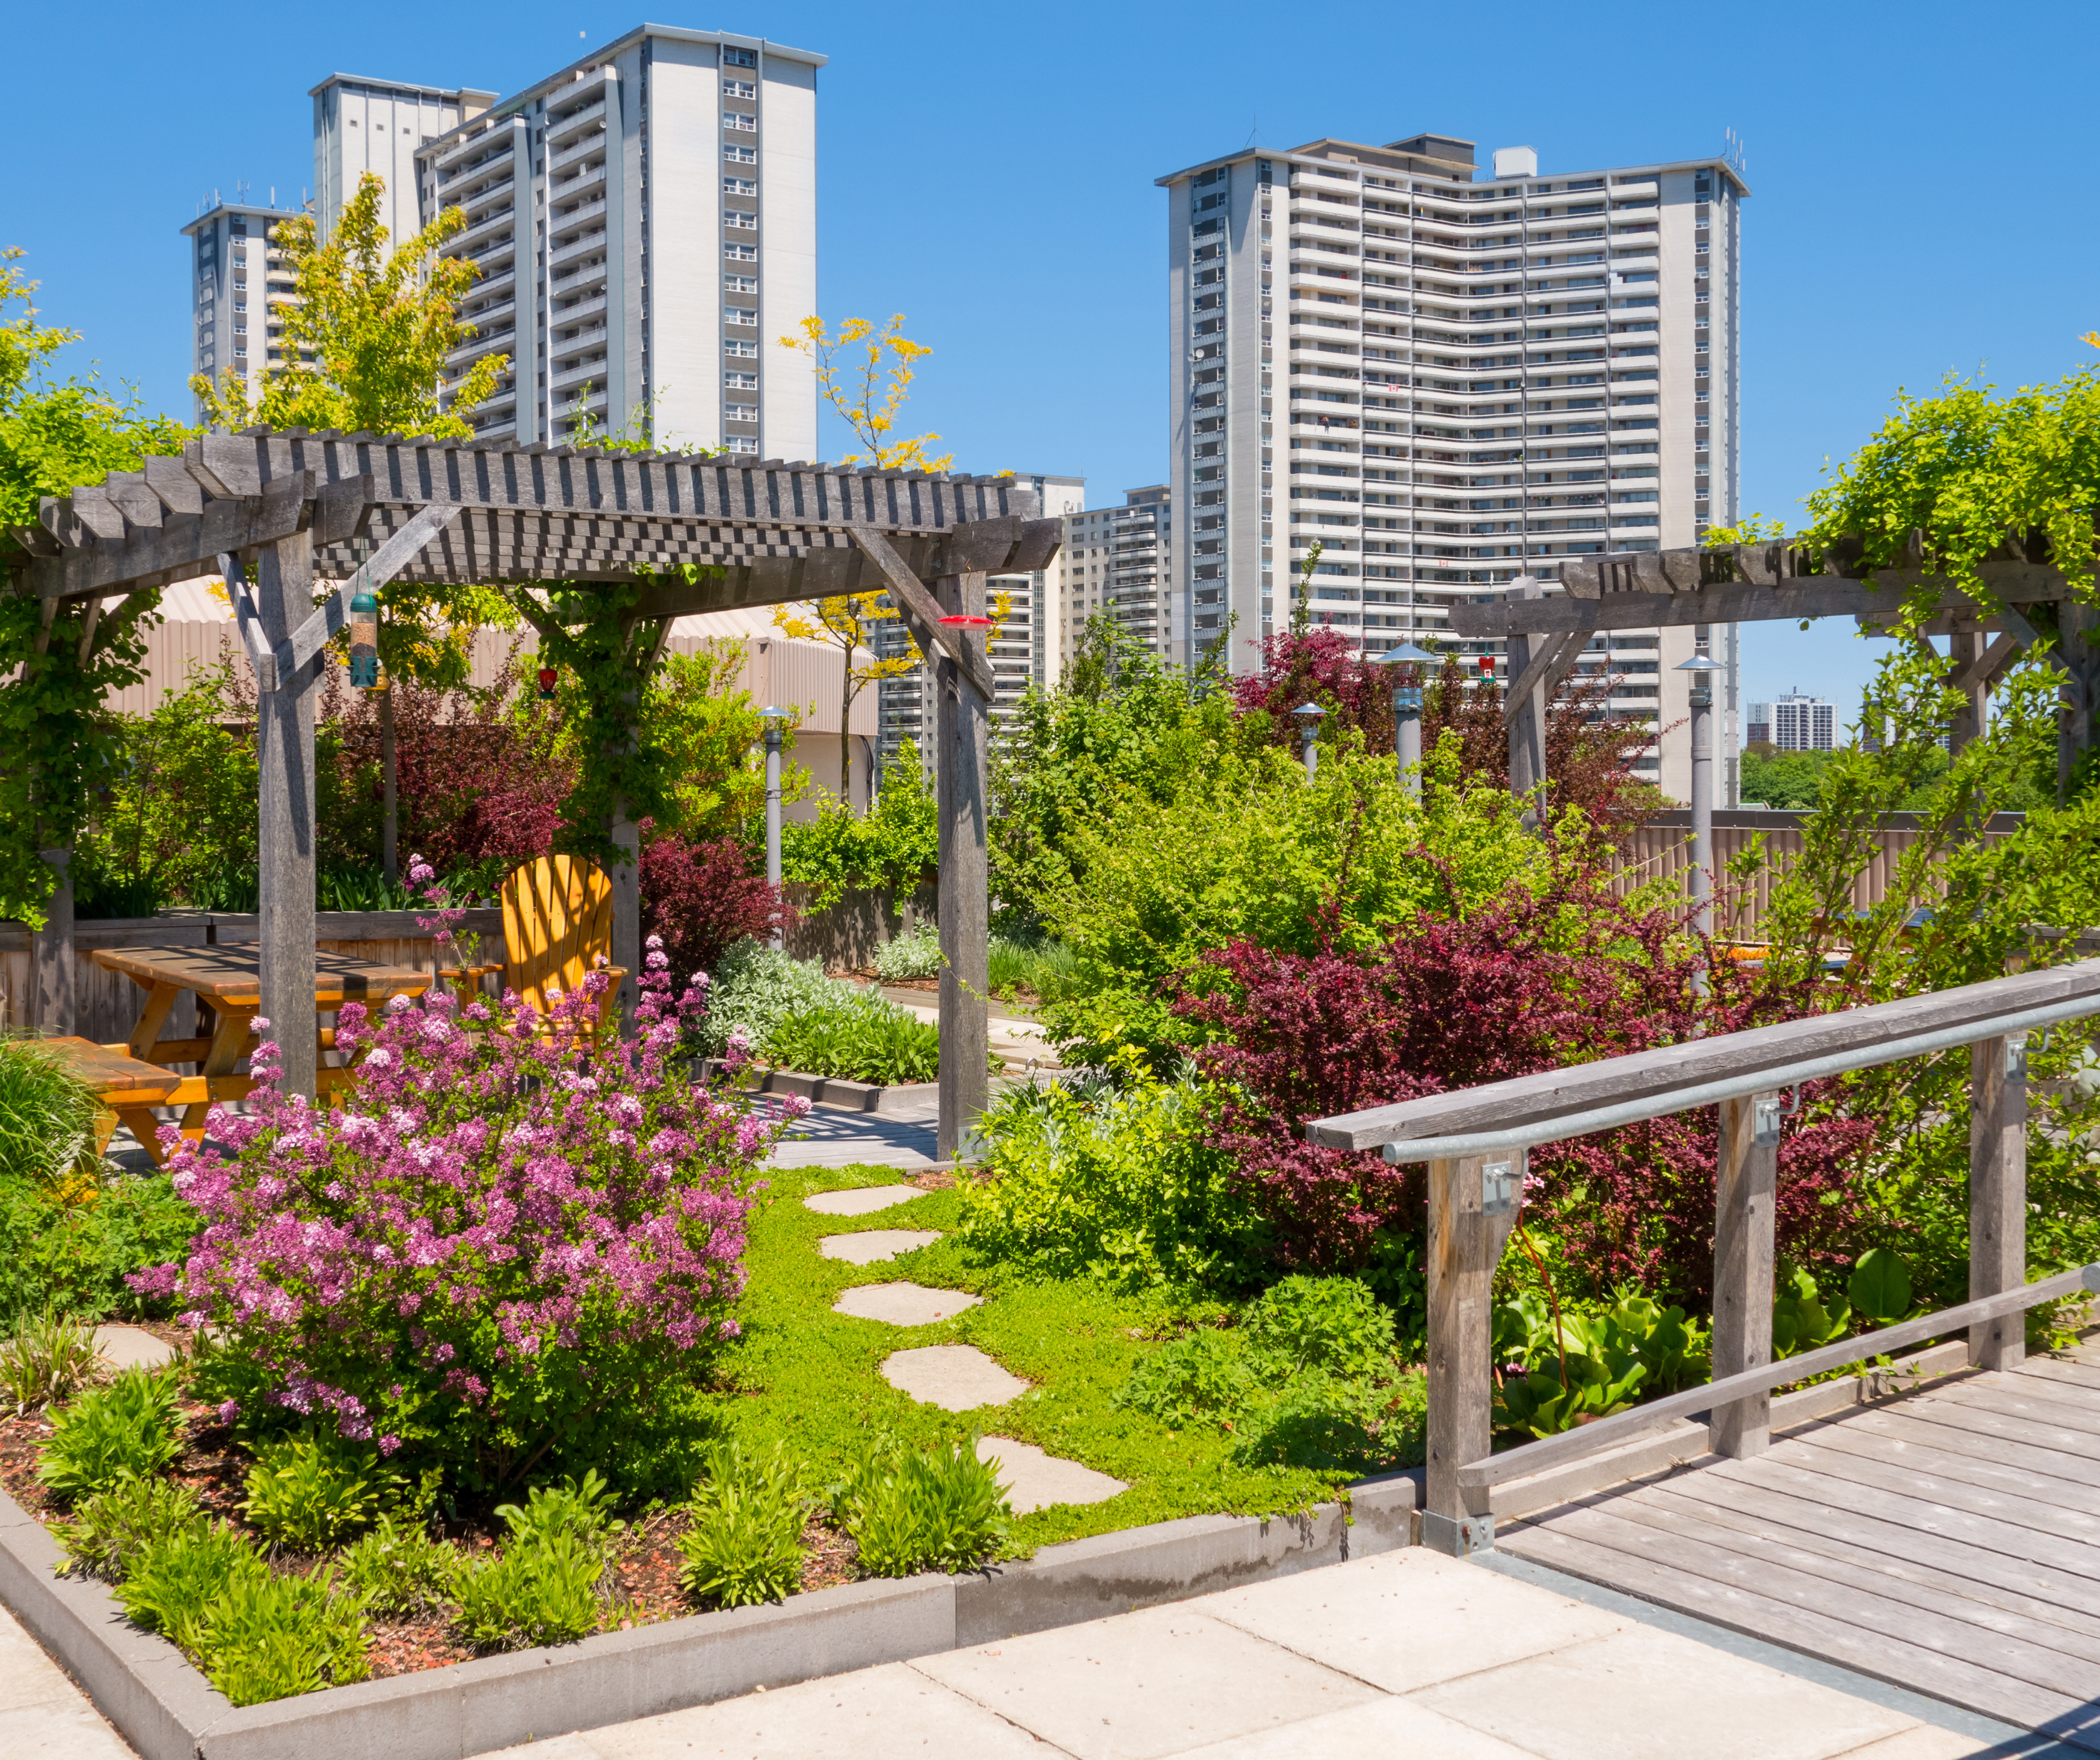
pixel 1747 584
pixel 277 512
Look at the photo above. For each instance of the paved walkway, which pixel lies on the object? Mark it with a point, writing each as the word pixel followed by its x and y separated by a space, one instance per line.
pixel 1408 1655
pixel 43 1716
pixel 829 1138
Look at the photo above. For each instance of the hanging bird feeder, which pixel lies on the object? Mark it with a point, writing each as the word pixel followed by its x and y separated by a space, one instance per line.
pixel 365 641
pixel 965 622
pixel 548 678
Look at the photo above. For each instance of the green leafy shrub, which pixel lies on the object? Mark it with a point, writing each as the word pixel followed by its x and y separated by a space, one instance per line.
pixel 1204 1374
pixel 894 844
pixel 265 1637
pixel 543 1588
pixel 46 1359
pixel 173 1578
pixel 1597 1359
pixel 109 1529
pixel 129 1427
pixel 1802 1319
pixel 745 1543
pixel 916 953
pixel 538 1591
pixel 71 1246
pixel 398 1569
pixel 866 1039
pixel 1109 1181
pixel 1880 1287
pixel 1334 1324
pixel 939 1510
pixel 312 1492
pixel 1338 1423
pixel 753 986
pixel 1042 968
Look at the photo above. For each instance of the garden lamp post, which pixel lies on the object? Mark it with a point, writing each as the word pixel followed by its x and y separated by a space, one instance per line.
pixel 1308 717
pixel 1702 669
pixel 775 721
pixel 1407 712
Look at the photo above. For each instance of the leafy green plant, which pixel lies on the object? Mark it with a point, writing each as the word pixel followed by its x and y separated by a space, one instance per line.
pixel 109 1529
pixel 581 1507
pixel 1204 1374
pixel 265 1637
pixel 540 1590
pixel 1331 1324
pixel 173 1578
pixel 313 1491
pixel 71 1246
pixel 916 953
pixel 745 1542
pixel 398 1569
pixel 1338 1423
pixel 866 1039
pixel 938 1509
pixel 47 1117
pixel 1801 1320
pixel 894 844
pixel 1880 1287
pixel 1040 967
pixel 129 1427
pixel 1590 1361
pixel 755 986
pixel 46 1358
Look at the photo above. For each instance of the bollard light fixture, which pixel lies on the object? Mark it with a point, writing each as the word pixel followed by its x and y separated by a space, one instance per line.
pixel 1702 668
pixel 1406 696
pixel 1308 716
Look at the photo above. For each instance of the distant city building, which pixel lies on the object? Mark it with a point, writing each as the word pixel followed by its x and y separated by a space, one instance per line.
pixel 238 286
pixel 380 125
pixel 1756 724
pixel 646 224
pixel 1481 376
pixel 1119 560
pixel 1803 724
pixel 1023 648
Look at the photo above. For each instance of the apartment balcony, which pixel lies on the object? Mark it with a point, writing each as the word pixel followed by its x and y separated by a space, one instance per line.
pixel 560 134
pixel 497 341
pixel 1315 252
pixel 467 156
pixel 579 184
pixel 477 238
pixel 499 275
pixel 575 373
pixel 567 348
pixel 582 309
pixel 582 214
pixel 591 147
pixel 581 278
pixel 589 242
pixel 498 197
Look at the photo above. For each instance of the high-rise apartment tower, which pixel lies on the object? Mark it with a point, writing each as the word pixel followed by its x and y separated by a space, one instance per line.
pixel 379 126
pixel 238 285
pixel 1448 380
pixel 1119 560
pixel 1803 724
pixel 645 224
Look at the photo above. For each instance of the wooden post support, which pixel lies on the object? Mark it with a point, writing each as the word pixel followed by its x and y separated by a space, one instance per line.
pixel 624 872
pixel 52 1010
pixel 1964 647
pixel 1461 1347
pixel 1746 1179
pixel 390 772
pixel 285 711
pixel 2078 647
pixel 962 718
pixel 1998 1194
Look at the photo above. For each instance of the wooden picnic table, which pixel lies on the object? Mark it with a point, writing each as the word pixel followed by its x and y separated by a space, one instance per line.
pixel 228 981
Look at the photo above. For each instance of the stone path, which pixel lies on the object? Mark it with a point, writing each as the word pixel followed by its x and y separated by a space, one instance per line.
pixel 124 1347
pixel 42 1714
pixel 1406 1655
pixel 954 1377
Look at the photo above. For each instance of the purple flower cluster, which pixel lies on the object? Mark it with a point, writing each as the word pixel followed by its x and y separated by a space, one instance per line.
pixel 511 1223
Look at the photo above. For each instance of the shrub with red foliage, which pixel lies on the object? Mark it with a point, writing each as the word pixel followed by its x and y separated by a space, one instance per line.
pixel 703 897
pixel 1590 752
pixel 1533 982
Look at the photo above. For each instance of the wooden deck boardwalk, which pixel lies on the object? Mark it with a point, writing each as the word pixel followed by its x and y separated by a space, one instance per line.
pixel 1948 1540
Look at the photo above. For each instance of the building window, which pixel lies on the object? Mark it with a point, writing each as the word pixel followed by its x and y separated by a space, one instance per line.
pixel 741 444
pixel 740 253
pixel 740 186
pixel 739 315
pixel 740 283
pixel 740 155
pixel 740 381
pixel 741 411
pixel 740 58
pixel 736 119
pixel 744 222
pixel 738 88
pixel 748 350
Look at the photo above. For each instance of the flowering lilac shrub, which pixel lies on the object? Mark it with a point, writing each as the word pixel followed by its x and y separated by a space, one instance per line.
pixel 515 1247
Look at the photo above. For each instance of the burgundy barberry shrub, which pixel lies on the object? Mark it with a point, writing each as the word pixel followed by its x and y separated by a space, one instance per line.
pixel 1535 980
pixel 513 1248
pixel 704 898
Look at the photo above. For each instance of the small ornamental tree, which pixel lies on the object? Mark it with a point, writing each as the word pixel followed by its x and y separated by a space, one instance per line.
pixel 515 1247
pixel 701 899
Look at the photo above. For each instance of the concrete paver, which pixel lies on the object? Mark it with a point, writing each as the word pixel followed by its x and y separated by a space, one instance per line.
pixel 43 1715
pixel 1034 1480
pixel 902 1304
pixel 868 1245
pixel 1149 1684
pixel 954 1377
pixel 122 1347
pixel 859 1200
pixel 1385 1729
pixel 1624 1697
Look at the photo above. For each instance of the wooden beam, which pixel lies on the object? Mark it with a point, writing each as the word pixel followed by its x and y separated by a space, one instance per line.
pixel 1746 1179
pixel 247 620
pixel 922 613
pixel 285 827
pixel 1997 1193
pixel 387 560
pixel 1545 670
pixel 1983 671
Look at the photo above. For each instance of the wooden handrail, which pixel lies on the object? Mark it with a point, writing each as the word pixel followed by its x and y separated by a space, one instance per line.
pixel 1622 1427
pixel 1524 1099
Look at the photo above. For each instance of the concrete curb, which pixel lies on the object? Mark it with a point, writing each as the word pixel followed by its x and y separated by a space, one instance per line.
pixel 167 1711
pixel 835 1091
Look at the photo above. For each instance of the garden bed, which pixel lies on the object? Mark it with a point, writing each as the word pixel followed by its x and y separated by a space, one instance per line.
pixel 836 1091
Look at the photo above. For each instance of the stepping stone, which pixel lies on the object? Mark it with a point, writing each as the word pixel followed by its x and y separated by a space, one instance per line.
pixel 125 1346
pixel 903 1304
pixel 1033 1480
pixel 859 1200
pixel 954 1377
pixel 871 1244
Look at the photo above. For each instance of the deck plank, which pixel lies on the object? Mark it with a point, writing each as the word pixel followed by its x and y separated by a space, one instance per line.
pixel 1871 1460
pixel 2075 1447
pixel 2074 1479
pixel 2071 1372
pixel 1813 1633
pixel 2004 1394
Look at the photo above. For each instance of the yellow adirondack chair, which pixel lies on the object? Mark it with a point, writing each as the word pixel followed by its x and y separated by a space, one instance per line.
pixel 556 925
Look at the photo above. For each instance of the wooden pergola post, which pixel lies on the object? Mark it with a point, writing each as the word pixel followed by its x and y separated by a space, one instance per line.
pixel 52 1008
pixel 1745 1189
pixel 285 826
pixel 962 728
pixel 1997 1193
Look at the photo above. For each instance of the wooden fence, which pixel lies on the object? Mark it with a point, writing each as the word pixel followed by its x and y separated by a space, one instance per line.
pixel 1662 849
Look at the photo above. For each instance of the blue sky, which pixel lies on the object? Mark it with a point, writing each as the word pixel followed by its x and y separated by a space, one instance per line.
pixel 1923 196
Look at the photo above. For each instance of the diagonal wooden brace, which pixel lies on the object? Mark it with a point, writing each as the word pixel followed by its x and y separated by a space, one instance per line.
pixel 922 613
pixel 1556 655
pixel 1984 672
pixel 293 655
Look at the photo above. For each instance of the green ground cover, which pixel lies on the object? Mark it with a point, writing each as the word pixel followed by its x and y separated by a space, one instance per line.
pixel 811 1378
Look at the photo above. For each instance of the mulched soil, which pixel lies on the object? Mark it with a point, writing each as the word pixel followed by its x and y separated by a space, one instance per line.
pixel 640 1586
